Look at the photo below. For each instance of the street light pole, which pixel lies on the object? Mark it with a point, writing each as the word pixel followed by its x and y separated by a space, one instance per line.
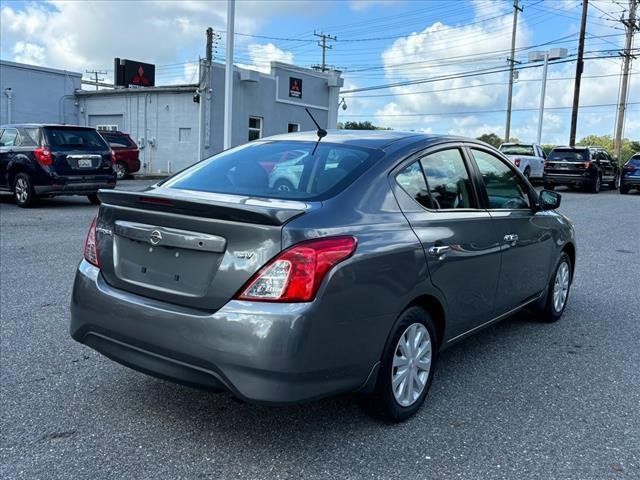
pixel 542 92
pixel 553 54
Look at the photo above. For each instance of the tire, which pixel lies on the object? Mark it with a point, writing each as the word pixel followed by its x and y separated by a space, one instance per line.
pixel 615 185
pixel 383 403
pixel 596 185
pixel 93 198
pixel 549 311
pixel 283 186
pixel 23 192
pixel 624 190
pixel 121 171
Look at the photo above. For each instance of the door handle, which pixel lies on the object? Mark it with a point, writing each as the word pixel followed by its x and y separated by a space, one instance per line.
pixel 511 238
pixel 438 251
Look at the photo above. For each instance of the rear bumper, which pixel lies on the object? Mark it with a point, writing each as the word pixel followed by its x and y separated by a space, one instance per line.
pixel 73 188
pixel 559 179
pixel 261 352
pixel 630 181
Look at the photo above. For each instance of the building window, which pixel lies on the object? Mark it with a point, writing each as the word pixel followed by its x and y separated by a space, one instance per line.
pixel 255 128
pixel 293 127
pixel 184 135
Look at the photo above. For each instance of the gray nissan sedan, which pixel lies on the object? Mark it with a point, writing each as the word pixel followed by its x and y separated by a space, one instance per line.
pixel 386 248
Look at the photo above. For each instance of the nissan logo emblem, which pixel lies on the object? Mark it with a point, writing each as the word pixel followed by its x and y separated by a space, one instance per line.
pixel 155 237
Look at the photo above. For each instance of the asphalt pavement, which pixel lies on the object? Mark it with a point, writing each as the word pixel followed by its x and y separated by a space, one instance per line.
pixel 519 400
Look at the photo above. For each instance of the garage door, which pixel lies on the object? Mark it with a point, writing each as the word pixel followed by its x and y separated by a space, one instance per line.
pixel 106 122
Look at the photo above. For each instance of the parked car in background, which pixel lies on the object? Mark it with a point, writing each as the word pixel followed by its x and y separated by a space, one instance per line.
pixel 390 248
pixel 126 150
pixel 631 174
pixel 528 157
pixel 39 160
pixel 581 167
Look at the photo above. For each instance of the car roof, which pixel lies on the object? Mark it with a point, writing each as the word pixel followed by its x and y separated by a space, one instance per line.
pixel 378 139
pixel 40 125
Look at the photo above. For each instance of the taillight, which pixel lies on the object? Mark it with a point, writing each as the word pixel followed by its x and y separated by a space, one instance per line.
pixel 629 167
pixel 91 245
pixel 113 157
pixel 296 274
pixel 43 156
pixel 517 162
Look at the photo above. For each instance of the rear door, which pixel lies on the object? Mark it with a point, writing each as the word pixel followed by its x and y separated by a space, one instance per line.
pixel 459 239
pixel 78 151
pixel 8 138
pixel 606 166
pixel 525 238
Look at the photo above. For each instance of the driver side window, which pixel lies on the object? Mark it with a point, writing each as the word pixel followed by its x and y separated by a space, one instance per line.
pixel 504 188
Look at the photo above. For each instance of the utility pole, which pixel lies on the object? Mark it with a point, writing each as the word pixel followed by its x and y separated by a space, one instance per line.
pixel 512 62
pixel 579 69
pixel 323 44
pixel 631 26
pixel 97 78
pixel 228 76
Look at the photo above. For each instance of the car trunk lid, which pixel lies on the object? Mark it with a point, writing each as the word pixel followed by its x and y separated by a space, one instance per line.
pixel 193 249
pixel 569 162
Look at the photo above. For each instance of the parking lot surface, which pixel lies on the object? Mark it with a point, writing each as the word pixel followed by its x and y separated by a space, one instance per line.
pixel 521 399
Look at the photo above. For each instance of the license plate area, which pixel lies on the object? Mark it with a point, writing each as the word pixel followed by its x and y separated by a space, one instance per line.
pixel 164 268
pixel 84 162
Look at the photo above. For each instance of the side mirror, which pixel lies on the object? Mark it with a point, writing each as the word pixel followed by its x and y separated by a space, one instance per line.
pixel 549 200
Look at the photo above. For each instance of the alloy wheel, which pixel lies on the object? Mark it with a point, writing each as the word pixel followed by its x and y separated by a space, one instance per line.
pixel 411 364
pixel 121 172
pixel 21 190
pixel 561 287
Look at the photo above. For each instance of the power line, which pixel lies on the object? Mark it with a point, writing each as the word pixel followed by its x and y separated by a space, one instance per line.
pixel 475 112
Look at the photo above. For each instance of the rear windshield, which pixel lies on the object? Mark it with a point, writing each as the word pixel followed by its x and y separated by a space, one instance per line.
pixel 118 141
pixel 74 138
pixel 635 161
pixel 278 169
pixel 526 150
pixel 569 155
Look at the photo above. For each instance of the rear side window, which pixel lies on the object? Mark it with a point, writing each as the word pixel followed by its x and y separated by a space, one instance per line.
pixel 74 138
pixel 569 155
pixel 504 188
pixel 412 181
pixel 118 141
pixel 448 179
pixel 278 169
pixel 9 137
pixel 30 137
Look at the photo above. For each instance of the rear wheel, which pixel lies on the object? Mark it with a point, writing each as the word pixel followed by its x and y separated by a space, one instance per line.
pixel 23 192
pixel 121 170
pixel 93 198
pixel 407 366
pixel 596 185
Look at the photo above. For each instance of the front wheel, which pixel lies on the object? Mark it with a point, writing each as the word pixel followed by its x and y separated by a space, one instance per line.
pixel 23 191
pixel 407 367
pixel 558 291
pixel 595 186
pixel 615 185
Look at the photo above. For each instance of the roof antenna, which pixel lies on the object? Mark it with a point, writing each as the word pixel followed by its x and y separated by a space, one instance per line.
pixel 321 132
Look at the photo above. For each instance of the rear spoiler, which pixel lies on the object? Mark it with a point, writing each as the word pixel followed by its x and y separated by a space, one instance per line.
pixel 233 208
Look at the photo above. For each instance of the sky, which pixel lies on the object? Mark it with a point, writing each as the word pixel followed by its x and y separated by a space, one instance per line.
pixel 446 59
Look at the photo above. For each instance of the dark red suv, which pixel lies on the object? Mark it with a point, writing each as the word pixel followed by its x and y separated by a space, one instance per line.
pixel 126 150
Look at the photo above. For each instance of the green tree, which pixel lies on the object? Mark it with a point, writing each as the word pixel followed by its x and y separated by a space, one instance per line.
pixel 491 138
pixel 629 147
pixel 365 125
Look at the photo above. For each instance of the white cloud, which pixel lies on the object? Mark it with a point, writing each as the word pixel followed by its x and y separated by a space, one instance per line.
pixel 262 55
pixel 28 53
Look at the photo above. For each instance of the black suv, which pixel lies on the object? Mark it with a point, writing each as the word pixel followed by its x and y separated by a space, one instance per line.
pixel 584 167
pixel 46 160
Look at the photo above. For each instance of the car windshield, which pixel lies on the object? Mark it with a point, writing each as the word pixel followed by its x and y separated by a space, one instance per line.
pixel 74 137
pixel 526 150
pixel 278 169
pixel 569 155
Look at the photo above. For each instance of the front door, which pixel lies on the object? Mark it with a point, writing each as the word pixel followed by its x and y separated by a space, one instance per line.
pixel 458 237
pixel 526 240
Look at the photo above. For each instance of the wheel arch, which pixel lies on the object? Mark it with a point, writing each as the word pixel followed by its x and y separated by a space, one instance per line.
pixel 570 250
pixel 13 170
pixel 434 308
